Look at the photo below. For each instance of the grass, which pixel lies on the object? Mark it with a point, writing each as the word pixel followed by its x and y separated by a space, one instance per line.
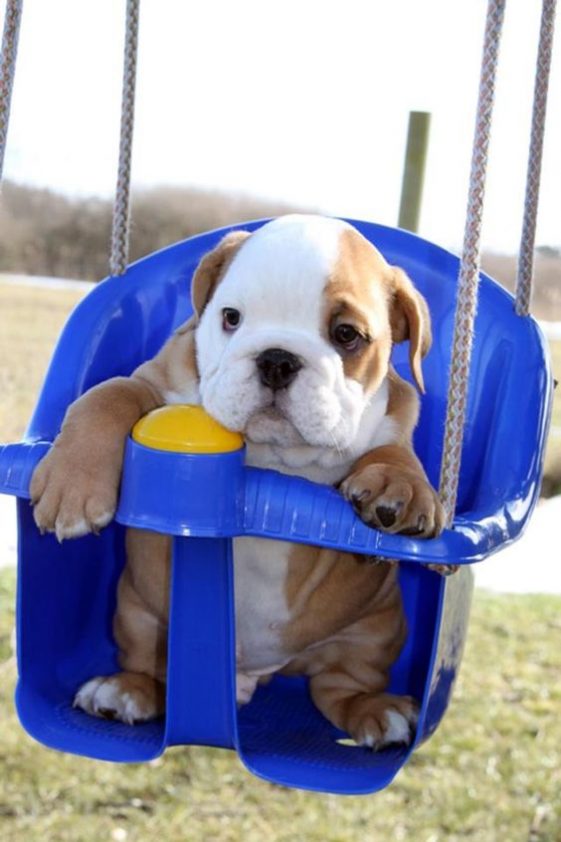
pixel 31 319
pixel 491 772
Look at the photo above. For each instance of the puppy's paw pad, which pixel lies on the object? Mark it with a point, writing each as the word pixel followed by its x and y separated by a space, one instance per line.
pixel 121 697
pixel 394 500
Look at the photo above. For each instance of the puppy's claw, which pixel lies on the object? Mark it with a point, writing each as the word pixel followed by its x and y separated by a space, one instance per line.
pixel 357 499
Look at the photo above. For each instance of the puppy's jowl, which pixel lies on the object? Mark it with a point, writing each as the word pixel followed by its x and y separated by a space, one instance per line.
pixel 289 344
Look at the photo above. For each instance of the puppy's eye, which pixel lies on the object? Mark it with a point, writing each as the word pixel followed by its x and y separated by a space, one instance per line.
pixel 346 336
pixel 231 319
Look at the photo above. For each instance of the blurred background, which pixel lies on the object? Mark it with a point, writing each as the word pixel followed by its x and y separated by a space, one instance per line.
pixel 250 110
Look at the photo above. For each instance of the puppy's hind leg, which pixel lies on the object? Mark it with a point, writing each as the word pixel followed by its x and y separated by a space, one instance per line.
pixel 136 694
pixel 371 717
pixel 349 688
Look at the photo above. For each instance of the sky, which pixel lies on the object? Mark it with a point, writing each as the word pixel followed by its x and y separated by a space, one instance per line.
pixel 305 101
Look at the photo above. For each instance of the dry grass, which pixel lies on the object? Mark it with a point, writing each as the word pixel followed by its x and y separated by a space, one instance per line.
pixel 31 319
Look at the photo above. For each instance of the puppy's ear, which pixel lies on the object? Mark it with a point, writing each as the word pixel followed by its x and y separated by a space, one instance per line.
pixel 410 319
pixel 212 268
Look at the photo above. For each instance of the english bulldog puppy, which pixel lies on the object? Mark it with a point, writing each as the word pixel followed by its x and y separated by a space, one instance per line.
pixel 290 345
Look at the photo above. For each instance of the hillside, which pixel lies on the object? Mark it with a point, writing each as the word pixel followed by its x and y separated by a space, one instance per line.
pixel 44 233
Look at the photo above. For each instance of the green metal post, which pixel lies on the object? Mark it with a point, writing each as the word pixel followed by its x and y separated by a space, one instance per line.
pixel 414 170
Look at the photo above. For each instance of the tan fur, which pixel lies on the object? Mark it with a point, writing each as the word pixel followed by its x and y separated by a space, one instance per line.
pixel 354 294
pixel 410 319
pixel 403 407
pixel 74 488
pixel 346 624
pixel 349 668
pixel 212 269
pixel 365 291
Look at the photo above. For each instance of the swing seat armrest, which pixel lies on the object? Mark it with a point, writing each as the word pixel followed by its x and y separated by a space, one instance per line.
pixel 17 463
pixel 157 493
pixel 230 499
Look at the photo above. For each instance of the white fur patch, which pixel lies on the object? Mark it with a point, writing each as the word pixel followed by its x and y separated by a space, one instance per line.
pixel 80 527
pixel 104 694
pixel 245 687
pixel 76 529
pixel 277 282
pixel 260 569
pixel 397 728
pixel 190 394
pixel 325 464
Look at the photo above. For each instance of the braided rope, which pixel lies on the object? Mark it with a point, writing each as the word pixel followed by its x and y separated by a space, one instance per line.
pixel 121 208
pixel 10 39
pixel 525 270
pixel 466 302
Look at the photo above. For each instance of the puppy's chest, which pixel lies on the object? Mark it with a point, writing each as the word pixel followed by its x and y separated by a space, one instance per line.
pixel 262 567
pixel 262 612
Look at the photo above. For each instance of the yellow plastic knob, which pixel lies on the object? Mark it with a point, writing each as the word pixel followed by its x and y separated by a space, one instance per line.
pixel 185 429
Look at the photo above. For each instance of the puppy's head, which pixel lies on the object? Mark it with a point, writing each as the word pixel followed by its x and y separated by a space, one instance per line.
pixel 295 325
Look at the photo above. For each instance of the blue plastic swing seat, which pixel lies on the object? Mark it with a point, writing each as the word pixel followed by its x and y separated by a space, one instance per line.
pixel 66 592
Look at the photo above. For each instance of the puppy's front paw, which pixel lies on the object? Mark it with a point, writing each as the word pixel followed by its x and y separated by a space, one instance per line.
pixel 395 500
pixel 127 696
pixel 72 495
pixel 383 720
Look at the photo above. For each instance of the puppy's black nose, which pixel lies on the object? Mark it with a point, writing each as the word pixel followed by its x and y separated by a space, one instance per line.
pixel 277 368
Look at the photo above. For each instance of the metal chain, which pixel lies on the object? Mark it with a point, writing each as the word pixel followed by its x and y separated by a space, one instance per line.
pixel 10 39
pixel 466 301
pixel 525 270
pixel 121 209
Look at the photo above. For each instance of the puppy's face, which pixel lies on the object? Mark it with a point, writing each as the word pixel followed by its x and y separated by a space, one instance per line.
pixel 296 323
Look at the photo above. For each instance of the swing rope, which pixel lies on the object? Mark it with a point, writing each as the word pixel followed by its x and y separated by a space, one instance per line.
pixel 466 301
pixel 121 209
pixel 10 40
pixel 468 281
pixel 525 269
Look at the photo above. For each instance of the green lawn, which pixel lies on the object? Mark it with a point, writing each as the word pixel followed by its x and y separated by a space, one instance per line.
pixel 492 773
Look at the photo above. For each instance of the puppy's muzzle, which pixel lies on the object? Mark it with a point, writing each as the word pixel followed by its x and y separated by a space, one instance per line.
pixel 277 368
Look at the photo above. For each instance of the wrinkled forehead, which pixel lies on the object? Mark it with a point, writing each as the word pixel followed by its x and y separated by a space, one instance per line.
pixel 283 268
pixel 295 267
